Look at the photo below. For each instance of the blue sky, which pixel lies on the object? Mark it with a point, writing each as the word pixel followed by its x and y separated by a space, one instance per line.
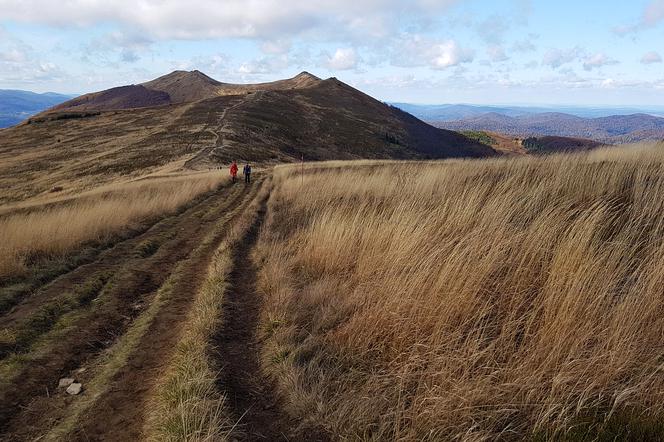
pixel 422 51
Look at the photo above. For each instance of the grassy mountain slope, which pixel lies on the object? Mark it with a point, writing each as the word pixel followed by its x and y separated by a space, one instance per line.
pixel 175 88
pixel 123 97
pixel 133 130
pixel 331 120
pixel 182 86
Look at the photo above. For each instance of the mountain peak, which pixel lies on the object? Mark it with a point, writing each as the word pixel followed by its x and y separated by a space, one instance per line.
pixel 180 75
pixel 185 86
pixel 306 75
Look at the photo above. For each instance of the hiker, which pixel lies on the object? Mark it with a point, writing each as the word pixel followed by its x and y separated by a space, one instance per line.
pixel 234 171
pixel 247 173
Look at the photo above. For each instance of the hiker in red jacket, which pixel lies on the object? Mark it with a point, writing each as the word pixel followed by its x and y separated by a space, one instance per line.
pixel 234 171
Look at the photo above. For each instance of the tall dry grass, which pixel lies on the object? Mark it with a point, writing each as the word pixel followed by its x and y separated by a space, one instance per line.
pixel 55 230
pixel 470 300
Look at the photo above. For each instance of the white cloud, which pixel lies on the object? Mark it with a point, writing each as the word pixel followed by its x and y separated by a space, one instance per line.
pixel 651 16
pixel 265 65
pixel 129 56
pixel 216 65
pixel 651 58
pixel 608 83
pixel 195 19
pixel 13 55
pixel 20 65
pixel 449 53
pixel 393 81
pixel 597 61
pixel 342 59
pixel 496 53
pixel 280 46
pixel 654 13
pixel 525 45
pixel 127 47
pixel 493 29
pixel 415 50
pixel 558 57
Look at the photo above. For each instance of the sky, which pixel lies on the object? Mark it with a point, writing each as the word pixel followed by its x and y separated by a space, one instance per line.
pixel 529 52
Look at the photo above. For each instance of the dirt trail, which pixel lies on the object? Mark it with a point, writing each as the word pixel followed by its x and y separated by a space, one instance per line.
pixel 250 395
pixel 202 156
pixel 119 414
pixel 173 255
pixel 27 404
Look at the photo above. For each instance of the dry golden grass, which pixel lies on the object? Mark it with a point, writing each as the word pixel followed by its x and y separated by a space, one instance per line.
pixel 470 300
pixel 56 229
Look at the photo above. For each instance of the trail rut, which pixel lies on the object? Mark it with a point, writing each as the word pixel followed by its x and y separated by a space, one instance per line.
pixel 251 396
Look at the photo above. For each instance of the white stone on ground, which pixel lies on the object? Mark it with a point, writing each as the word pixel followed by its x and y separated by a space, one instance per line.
pixel 74 388
pixel 65 382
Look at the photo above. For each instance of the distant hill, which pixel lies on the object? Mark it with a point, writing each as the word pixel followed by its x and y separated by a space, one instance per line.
pixel 550 144
pixel 614 129
pixel 452 112
pixel 189 120
pixel 16 106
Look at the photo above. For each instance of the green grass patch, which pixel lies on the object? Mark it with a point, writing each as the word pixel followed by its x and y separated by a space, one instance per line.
pixel 480 137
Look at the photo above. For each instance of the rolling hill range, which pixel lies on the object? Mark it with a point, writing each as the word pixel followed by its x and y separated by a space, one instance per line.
pixel 188 120
pixel 452 112
pixel 615 129
pixel 16 106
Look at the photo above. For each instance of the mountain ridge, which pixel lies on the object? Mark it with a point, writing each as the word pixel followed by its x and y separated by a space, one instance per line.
pixel 452 112
pixel 615 129
pixel 176 87
pixel 591 123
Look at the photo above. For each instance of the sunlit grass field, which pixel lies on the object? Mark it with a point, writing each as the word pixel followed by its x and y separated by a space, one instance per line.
pixel 53 230
pixel 474 300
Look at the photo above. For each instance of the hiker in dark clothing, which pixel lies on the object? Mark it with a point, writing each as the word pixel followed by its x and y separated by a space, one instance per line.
pixel 247 173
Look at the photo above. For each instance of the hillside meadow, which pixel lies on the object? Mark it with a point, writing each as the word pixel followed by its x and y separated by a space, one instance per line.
pixel 469 300
pixel 49 231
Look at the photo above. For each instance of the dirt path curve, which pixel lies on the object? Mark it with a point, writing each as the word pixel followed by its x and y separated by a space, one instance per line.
pixel 205 152
pixel 250 395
